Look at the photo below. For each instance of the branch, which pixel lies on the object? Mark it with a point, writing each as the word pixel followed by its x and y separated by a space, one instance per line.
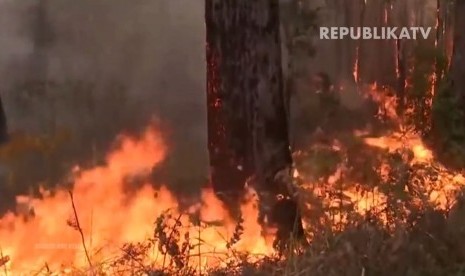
pixel 3 261
pixel 78 227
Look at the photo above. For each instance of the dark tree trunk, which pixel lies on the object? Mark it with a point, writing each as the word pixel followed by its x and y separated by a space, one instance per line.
pixel 401 77
pixel 247 105
pixel 360 45
pixel 42 36
pixel 439 43
pixel 3 125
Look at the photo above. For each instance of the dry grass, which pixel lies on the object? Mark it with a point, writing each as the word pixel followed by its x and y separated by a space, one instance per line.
pixel 432 244
pixel 426 241
pixel 407 235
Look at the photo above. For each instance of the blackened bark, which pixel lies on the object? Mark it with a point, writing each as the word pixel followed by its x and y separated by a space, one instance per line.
pixel 247 118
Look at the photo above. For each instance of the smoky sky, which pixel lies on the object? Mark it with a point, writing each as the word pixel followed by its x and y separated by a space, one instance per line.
pixel 142 58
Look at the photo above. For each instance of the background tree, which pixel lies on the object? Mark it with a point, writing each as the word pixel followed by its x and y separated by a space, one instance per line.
pixel 448 111
pixel 3 124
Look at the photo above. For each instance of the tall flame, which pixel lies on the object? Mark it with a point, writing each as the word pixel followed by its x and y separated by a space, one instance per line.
pixel 109 215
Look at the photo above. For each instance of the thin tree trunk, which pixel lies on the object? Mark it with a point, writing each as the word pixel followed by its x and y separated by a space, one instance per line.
pixel 360 45
pixel 42 38
pixel 3 124
pixel 449 31
pixel 401 77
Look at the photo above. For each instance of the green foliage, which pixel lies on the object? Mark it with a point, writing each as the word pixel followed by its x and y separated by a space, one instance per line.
pixel 299 23
pixel 448 122
pixel 427 62
pixel 320 162
pixel 175 249
pixel 433 107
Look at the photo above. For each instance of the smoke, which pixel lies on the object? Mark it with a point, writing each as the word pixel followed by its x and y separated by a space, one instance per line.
pixel 112 66
pixel 15 42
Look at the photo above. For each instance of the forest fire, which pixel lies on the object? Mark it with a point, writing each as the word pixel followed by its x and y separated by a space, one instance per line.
pixel 105 215
pixel 427 180
pixel 441 190
pixel 108 217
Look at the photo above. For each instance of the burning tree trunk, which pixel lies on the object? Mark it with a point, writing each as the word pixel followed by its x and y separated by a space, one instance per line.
pixel 402 12
pixel 247 106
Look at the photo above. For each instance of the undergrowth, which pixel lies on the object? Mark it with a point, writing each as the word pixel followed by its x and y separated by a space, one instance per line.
pixel 406 234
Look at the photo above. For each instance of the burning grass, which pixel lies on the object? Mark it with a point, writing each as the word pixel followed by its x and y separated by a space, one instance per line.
pixel 102 222
pixel 371 205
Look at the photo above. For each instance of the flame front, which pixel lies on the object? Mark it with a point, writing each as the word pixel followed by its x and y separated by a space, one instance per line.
pixel 105 214
pixel 109 216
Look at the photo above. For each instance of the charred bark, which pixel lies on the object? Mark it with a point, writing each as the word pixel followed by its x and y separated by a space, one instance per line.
pixel 247 105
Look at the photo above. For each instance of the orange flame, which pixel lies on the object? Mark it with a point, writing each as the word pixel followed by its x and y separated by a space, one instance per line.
pixel 109 216
pixel 440 192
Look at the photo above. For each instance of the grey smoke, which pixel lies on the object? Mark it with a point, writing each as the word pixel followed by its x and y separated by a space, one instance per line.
pixel 152 49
